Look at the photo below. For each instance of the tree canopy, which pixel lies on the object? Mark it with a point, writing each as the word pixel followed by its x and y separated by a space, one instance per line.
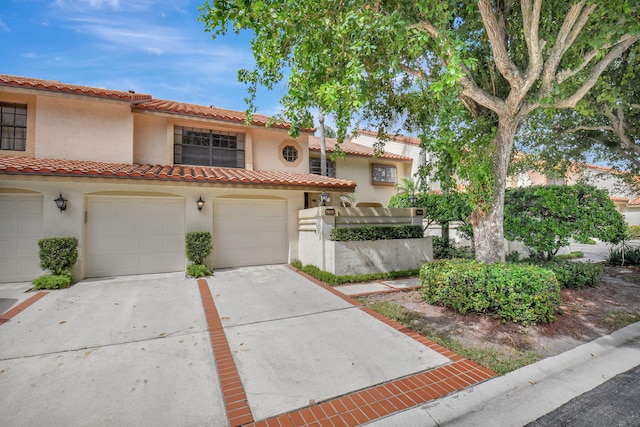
pixel 604 128
pixel 464 75
pixel 545 217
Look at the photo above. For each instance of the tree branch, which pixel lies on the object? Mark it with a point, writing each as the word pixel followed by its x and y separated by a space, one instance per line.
pixel 496 34
pixel 574 21
pixel 530 24
pixel 428 27
pixel 470 89
pixel 593 128
pixel 595 73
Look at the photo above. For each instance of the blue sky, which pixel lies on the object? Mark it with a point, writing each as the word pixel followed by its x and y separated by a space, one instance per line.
pixel 150 46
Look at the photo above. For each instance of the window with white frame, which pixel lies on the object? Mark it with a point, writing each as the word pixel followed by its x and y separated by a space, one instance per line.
pixel 205 147
pixel 315 167
pixel 383 174
pixel 13 126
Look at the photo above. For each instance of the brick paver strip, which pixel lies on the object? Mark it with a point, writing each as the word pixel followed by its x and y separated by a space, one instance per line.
pixel 233 393
pixel 20 307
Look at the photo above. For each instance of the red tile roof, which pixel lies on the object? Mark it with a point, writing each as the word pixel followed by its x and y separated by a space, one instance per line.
pixel 56 86
pixel 181 108
pixel 140 102
pixel 352 149
pixel 179 173
pixel 634 202
pixel 401 138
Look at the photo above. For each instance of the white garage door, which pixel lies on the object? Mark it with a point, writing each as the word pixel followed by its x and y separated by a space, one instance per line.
pixel 20 230
pixel 249 232
pixel 134 235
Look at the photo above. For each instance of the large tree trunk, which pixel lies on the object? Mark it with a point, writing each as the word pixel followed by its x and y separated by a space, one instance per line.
pixel 488 224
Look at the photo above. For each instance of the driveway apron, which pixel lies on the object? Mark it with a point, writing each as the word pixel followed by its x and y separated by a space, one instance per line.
pixel 295 343
pixel 128 351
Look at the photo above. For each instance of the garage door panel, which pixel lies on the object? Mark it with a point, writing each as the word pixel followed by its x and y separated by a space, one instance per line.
pixel 20 230
pixel 135 235
pixel 249 232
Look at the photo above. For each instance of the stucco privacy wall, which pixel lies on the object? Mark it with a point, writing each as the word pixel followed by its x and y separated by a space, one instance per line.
pixel 360 257
pixel 75 128
pixel 77 191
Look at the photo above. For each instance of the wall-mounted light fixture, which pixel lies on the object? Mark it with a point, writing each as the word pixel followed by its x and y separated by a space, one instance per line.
pixel 324 196
pixel 412 200
pixel 200 203
pixel 61 203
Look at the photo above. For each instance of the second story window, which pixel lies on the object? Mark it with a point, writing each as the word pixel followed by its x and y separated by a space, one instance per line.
pixel 290 153
pixel 314 167
pixel 205 147
pixel 384 174
pixel 13 126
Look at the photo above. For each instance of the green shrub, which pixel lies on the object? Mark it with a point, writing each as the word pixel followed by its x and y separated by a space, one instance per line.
pixel 51 281
pixel 624 255
pixel 198 270
pixel 572 255
pixel 574 275
pixel 198 246
pixel 58 254
pixel 332 279
pixel 633 232
pixel 443 249
pixel 377 232
pixel 545 218
pixel 515 292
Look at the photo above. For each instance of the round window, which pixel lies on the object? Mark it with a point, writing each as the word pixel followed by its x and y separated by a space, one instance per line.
pixel 290 153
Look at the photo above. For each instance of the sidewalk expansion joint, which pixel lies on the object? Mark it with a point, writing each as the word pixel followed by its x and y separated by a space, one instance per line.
pixel 293 316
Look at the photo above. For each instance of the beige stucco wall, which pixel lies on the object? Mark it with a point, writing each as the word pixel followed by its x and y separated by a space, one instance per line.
pixel 76 191
pixel 75 128
pixel 267 150
pixel 153 140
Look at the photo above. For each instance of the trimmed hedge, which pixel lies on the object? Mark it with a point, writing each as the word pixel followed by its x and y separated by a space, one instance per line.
pixel 377 233
pixel 572 274
pixel 198 246
pixel 58 254
pixel 333 280
pixel 515 292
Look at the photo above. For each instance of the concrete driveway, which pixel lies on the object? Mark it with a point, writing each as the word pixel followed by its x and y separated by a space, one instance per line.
pixel 126 351
pixel 249 344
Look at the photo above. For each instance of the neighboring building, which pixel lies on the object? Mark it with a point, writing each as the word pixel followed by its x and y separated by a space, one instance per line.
pixel 406 146
pixel 376 175
pixel 132 168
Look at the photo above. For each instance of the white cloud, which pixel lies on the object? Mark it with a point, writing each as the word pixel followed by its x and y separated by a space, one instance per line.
pixel 4 27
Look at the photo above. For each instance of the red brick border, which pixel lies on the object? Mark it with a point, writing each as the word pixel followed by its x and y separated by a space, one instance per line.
pixel 20 307
pixel 235 398
pixel 352 409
